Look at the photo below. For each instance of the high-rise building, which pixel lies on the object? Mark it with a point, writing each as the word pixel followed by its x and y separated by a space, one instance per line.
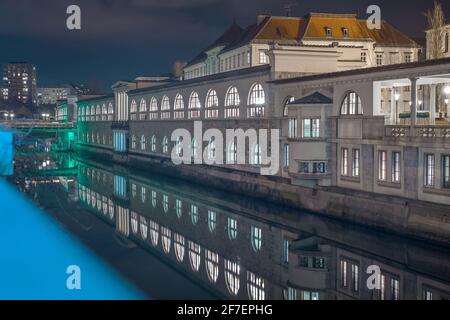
pixel 19 83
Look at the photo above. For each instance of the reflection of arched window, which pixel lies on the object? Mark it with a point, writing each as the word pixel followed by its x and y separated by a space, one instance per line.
pixel 288 100
pixel 256 154
pixel 165 145
pixel 134 222
pixel 142 142
pixel 211 149
pixel 212 220
pixel 133 142
pixel 232 228
pixel 99 113
pixel 178 245
pixel 194 255
pixel 154 233
pixel 256 236
pixel 165 203
pixel 232 153
pixel 232 273
pixel 232 97
pixel 104 112
pixel 166 239
pixel 194 214
pixel 212 100
pixel 351 105
pixel 255 286
pixel 153 144
pixel 256 95
pixel 143 227
pixel 194 148
pixel 212 265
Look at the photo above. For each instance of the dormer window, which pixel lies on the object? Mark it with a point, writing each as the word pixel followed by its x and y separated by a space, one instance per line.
pixel 328 32
pixel 345 32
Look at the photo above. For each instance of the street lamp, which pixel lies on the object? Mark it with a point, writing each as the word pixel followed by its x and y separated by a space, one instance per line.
pixel 396 97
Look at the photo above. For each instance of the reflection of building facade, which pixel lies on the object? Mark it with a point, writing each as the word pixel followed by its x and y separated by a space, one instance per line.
pixel 50 95
pixel 367 144
pixel 19 83
pixel 242 250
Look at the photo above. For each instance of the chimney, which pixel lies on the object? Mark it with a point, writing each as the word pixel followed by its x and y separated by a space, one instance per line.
pixel 261 17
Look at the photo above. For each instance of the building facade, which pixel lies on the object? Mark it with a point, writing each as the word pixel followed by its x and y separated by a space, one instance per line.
pixel 19 83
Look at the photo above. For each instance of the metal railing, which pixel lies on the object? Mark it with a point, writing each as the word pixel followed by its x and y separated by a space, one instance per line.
pixel 428 131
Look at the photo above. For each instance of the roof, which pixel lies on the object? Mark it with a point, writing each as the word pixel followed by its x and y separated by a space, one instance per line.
pixel 315 98
pixel 309 27
pixel 391 67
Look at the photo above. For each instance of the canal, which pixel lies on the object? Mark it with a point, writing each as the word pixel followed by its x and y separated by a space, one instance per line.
pixel 176 240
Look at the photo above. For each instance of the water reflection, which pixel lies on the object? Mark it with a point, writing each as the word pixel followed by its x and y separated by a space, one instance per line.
pixel 239 248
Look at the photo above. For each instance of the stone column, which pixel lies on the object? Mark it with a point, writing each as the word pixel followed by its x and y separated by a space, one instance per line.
pixel 394 116
pixel 432 104
pixel 413 102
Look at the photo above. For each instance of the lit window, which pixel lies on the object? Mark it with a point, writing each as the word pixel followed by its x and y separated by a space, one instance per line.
pixel 355 163
pixel 165 104
pixel 286 106
pixel 351 104
pixel 395 171
pixel 142 142
pixel 212 99
pixel 395 289
pixel 154 233
pixel 166 239
pixel 256 236
pixel 212 220
pixel 153 144
pixel 311 128
pixel 232 274
pixel 429 170
pixel 292 128
pixel 165 202
pixel 255 286
pixel 355 277
pixel 446 171
pixel 165 145
pixel 232 228
pixel 286 155
pixel 345 32
pixel 382 165
pixel 143 227
pixel 344 162
pixel 134 222
pixel 257 96
pixel 194 106
pixel 178 245
pixel 179 208
pixel 328 32
pixel 263 58
pixel 212 265
pixel 232 97
pixel 194 214
pixel 179 103
pixel 194 255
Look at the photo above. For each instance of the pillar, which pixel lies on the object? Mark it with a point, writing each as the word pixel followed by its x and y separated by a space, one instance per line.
pixel 433 104
pixel 413 101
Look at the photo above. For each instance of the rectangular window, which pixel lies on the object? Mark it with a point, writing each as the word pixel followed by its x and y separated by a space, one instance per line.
pixel 395 169
pixel 395 289
pixel 286 155
pixel 286 251
pixel 303 167
pixel 311 128
pixel 293 128
pixel 380 58
pixel 355 277
pixel 263 59
pixel 363 56
pixel 382 165
pixel 408 57
pixel 446 171
pixel 344 162
pixel 427 295
pixel 355 163
pixel 328 32
pixel 429 170
pixel 343 274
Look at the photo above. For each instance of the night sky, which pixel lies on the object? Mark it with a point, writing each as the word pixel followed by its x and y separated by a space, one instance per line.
pixel 122 39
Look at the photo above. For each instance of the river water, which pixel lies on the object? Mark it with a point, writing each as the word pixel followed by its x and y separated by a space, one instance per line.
pixel 176 240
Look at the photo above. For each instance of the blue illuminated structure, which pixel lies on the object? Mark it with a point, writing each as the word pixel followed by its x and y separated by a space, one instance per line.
pixel 36 252
pixel 6 153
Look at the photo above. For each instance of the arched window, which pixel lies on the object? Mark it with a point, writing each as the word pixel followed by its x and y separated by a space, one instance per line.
pixel 98 112
pixel 255 287
pixel 212 100
pixel 166 239
pixel 256 95
pixel 179 208
pixel 288 100
pixel 178 245
pixel 92 113
pixel 232 153
pixel 143 110
pixel 212 220
pixel 179 103
pixel 104 112
pixel 153 104
pixel 110 111
pixel 165 104
pixel 165 203
pixel 232 274
pixel 153 144
pixel 232 97
pixel 194 214
pixel 256 154
pixel 212 265
pixel 154 233
pixel 165 145
pixel 133 142
pixel 194 106
pixel 142 142
pixel 194 255
pixel 88 114
pixel 351 105
pixel 83 114
pixel 143 227
pixel 133 110
pixel 134 222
